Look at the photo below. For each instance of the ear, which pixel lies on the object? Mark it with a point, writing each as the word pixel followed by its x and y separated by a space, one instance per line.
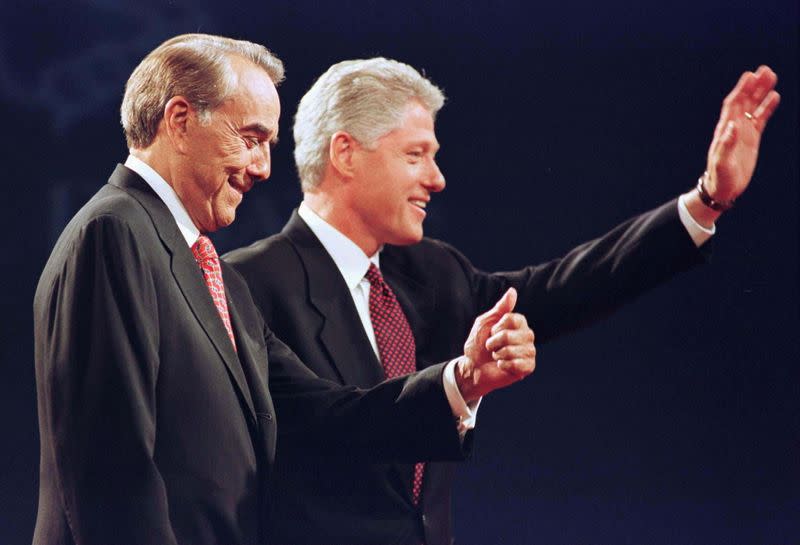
pixel 178 114
pixel 341 153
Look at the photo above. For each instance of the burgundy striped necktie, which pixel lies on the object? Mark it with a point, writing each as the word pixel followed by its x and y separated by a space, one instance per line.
pixel 208 260
pixel 395 343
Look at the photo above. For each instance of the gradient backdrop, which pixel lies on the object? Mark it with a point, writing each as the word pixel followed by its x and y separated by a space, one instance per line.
pixel 676 421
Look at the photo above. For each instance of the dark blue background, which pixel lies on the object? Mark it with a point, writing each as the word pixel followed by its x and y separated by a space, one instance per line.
pixel 676 421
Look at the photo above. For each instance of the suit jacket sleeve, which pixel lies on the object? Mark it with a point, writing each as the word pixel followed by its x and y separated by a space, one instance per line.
pixel 97 357
pixel 593 279
pixel 406 419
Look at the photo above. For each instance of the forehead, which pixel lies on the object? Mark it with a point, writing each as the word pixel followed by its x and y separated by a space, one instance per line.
pixel 415 125
pixel 255 100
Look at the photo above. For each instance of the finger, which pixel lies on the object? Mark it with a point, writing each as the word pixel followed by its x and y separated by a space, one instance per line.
pixel 746 95
pixel 520 368
pixel 755 87
pixel 508 337
pixel 730 109
pixel 765 110
pixel 765 80
pixel 745 98
pixel 753 94
pixel 746 80
pixel 740 85
pixel 751 91
pixel 512 320
pixel 720 127
pixel 504 305
pixel 527 350
pixel 728 138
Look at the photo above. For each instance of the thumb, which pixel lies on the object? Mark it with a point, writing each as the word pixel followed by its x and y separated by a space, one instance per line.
pixel 728 136
pixel 506 303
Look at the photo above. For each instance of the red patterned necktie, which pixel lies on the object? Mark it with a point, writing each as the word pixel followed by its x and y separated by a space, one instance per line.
pixel 208 260
pixel 395 342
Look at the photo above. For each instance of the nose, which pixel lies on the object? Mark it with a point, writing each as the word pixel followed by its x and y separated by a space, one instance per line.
pixel 260 164
pixel 435 181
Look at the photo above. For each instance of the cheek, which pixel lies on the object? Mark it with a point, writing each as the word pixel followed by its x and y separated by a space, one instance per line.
pixel 224 205
pixel 233 154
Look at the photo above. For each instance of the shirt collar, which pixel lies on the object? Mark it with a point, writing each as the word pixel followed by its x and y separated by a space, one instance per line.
pixel 351 260
pixel 165 192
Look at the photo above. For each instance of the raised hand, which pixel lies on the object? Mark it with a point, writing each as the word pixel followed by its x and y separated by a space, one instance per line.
pixel 734 148
pixel 499 350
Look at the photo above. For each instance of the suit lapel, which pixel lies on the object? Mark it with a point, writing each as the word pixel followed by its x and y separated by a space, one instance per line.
pixel 416 299
pixel 187 275
pixel 256 393
pixel 329 296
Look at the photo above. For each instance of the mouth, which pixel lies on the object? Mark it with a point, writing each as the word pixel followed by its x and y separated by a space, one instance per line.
pixel 419 203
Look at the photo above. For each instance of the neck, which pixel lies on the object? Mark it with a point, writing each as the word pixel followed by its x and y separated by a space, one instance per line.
pixel 154 160
pixel 339 217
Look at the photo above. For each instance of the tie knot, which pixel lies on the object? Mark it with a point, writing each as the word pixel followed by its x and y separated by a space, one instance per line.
pixel 203 249
pixel 374 275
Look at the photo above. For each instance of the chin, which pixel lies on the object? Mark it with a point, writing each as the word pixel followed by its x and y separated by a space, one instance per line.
pixel 408 238
pixel 220 223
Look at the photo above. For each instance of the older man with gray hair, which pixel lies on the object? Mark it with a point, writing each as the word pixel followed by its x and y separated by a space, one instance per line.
pixel 365 150
pixel 156 421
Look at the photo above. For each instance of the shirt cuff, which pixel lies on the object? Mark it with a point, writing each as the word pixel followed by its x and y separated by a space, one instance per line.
pixel 698 233
pixel 465 413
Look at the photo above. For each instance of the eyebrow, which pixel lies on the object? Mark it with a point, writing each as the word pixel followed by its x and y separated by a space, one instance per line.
pixel 427 144
pixel 262 131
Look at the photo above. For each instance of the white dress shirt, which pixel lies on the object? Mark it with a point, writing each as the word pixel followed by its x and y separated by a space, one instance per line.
pixel 698 233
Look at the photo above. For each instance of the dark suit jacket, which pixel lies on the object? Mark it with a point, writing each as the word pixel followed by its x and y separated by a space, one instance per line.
pixel 153 429
pixel 304 298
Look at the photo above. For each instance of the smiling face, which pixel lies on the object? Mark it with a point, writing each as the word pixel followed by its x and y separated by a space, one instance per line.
pixel 223 158
pixel 392 183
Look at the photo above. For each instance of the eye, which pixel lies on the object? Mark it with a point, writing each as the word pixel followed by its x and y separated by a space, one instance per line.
pixel 415 155
pixel 251 142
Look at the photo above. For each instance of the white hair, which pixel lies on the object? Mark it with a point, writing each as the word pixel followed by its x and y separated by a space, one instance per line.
pixel 365 98
pixel 196 66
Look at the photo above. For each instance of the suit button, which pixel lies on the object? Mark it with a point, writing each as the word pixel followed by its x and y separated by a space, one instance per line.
pixel 268 416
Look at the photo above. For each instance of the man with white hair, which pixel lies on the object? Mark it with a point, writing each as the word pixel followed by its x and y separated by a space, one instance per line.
pixel 156 375
pixel 365 150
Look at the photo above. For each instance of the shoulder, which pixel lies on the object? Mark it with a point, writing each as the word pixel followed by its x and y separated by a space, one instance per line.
pixel 110 220
pixel 112 201
pixel 268 263
pixel 263 254
pixel 274 247
pixel 107 238
pixel 428 257
pixel 110 215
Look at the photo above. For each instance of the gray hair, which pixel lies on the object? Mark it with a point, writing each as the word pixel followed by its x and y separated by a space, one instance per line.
pixel 195 66
pixel 365 98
